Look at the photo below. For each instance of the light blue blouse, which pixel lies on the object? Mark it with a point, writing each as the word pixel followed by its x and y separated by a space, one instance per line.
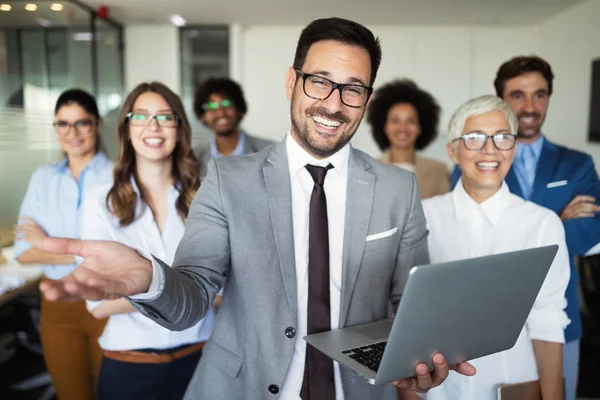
pixel 53 200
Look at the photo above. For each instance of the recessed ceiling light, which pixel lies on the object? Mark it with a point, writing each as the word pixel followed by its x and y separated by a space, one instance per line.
pixel 30 7
pixel 5 7
pixel 178 20
pixel 56 7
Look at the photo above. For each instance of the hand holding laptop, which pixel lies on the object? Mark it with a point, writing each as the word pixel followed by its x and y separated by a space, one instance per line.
pixel 456 311
pixel 424 380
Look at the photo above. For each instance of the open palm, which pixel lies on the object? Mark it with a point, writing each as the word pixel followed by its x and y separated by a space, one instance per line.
pixel 110 270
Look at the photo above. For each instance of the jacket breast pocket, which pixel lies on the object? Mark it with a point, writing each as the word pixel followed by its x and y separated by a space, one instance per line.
pixel 380 240
pixel 559 195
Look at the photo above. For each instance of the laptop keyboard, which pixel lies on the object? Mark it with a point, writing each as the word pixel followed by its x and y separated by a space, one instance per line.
pixel 369 356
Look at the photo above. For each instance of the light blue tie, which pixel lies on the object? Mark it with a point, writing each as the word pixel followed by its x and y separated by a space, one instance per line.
pixel 527 171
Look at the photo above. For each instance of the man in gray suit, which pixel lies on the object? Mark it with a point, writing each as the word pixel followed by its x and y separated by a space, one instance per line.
pixel 219 103
pixel 303 236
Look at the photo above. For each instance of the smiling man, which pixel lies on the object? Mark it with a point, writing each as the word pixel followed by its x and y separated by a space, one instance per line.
pixel 285 232
pixel 553 176
pixel 219 103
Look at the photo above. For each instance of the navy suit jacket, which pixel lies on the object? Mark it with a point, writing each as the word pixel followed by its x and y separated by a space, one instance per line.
pixel 562 174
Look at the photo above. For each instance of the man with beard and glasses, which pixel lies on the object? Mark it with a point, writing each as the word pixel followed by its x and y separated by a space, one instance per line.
pixel 553 176
pixel 219 103
pixel 306 235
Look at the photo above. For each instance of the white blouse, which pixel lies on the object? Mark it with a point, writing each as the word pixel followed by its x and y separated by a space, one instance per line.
pixel 461 228
pixel 132 330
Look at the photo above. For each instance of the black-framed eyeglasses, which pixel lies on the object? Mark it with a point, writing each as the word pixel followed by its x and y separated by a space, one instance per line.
pixel 165 120
pixel 82 126
pixel 320 88
pixel 478 140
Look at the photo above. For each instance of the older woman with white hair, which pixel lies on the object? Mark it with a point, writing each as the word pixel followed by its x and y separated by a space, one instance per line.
pixel 481 217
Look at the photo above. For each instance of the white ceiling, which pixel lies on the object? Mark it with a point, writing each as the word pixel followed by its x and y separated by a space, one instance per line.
pixel 285 12
pixel 278 12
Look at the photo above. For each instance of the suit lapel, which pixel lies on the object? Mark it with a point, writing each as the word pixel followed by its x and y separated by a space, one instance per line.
pixel 513 183
pixel 249 146
pixel 279 190
pixel 359 201
pixel 544 171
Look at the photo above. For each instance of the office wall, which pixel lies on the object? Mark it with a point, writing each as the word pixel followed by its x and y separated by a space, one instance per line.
pixel 453 62
pixel 570 41
pixel 152 53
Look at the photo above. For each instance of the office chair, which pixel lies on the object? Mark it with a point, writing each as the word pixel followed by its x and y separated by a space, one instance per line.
pixel 29 339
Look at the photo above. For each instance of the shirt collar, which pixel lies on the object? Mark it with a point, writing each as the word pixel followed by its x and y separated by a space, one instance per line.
pixel 239 148
pixel 174 188
pixel 492 208
pixel 97 163
pixel 140 206
pixel 298 158
pixel 535 147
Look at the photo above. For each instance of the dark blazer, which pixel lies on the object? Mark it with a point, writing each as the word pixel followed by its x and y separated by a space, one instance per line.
pixel 562 174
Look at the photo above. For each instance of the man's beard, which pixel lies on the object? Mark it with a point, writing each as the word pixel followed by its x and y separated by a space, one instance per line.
pixel 303 132
pixel 228 132
pixel 536 128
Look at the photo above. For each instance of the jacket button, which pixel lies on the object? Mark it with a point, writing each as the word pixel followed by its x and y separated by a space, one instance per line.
pixel 153 315
pixel 273 389
pixel 290 332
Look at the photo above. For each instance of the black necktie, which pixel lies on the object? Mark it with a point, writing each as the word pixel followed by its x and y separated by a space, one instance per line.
pixel 318 383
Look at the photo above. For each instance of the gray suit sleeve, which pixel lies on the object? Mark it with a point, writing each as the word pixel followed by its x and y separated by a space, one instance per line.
pixel 413 246
pixel 202 262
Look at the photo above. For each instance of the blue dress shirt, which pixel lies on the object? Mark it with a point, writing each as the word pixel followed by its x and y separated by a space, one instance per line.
pixel 238 151
pixel 525 164
pixel 53 199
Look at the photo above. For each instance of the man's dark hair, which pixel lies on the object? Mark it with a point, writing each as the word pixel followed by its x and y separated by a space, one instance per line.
pixel 339 30
pixel 222 86
pixel 521 65
pixel 403 91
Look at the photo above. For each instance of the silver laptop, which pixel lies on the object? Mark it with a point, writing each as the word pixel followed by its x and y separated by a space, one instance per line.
pixel 464 309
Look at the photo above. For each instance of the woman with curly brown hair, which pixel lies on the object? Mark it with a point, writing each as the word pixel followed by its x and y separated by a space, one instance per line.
pixel 155 180
pixel 404 119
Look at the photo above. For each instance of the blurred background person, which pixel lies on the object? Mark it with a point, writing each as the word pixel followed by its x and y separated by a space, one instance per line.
pixel 404 119
pixel 219 103
pixel 51 207
pixel 155 180
pixel 478 218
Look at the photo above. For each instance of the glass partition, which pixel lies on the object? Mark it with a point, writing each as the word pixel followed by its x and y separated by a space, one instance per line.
pixel 42 53
pixel 204 54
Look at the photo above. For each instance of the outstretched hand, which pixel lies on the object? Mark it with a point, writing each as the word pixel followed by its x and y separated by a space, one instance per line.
pixel 110 270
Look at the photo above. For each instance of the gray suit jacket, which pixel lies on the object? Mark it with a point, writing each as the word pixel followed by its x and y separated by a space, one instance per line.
pixel 251 145
pixel 239 234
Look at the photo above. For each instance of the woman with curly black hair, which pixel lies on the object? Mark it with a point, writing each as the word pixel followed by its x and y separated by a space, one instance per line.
pixel 404 119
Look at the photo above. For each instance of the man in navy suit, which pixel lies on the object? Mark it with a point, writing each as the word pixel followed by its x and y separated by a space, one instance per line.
pixel 552 176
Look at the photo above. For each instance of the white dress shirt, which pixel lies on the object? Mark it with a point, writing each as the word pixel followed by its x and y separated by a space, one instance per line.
pixel 335 185
pixel 461 228
pixel 132 330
